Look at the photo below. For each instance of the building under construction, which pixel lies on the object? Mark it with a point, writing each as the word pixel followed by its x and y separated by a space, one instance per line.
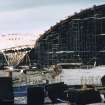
pixel 78 39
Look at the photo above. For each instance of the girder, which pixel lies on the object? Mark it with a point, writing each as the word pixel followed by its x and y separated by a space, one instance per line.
pixel 15 54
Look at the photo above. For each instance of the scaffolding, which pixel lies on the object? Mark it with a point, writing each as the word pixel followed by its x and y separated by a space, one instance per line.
pixel 76 39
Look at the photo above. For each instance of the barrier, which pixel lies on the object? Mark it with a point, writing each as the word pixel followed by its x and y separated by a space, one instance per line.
pixel 84 97
pixel 6 91
pixel 56 91
pixel 35 96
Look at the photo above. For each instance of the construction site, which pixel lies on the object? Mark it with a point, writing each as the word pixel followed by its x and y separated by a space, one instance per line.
pixel 79 39
pixel 66 66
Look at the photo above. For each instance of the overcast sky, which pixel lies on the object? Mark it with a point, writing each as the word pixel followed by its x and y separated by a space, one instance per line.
pixel 36 16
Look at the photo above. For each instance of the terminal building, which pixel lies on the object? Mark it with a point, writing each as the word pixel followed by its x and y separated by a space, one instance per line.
pixel 79 39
